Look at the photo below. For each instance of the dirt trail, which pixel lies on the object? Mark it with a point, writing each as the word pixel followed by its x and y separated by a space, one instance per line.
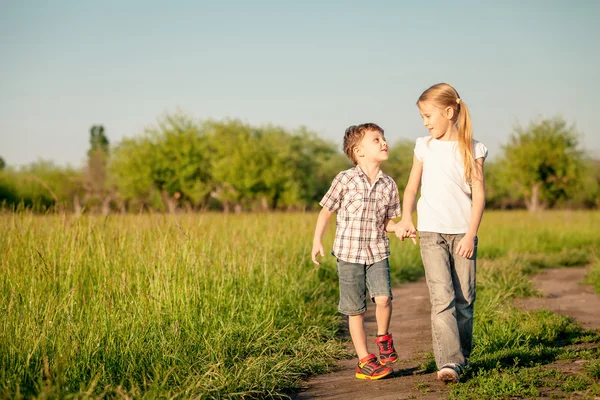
pixel 412 338
pixel 564 294
pixel 411 328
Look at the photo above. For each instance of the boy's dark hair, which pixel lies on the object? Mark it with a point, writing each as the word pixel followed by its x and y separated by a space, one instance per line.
pixel 354 135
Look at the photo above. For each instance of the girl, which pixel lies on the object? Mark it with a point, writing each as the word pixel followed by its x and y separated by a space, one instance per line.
pixel 449 165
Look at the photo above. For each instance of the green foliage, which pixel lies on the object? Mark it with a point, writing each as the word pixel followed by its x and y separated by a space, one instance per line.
pixel 399 162
pixel 542 162
pixel 39 186
pixel 2 164
pixel 181 164
pixel 225 164
pixel 98 140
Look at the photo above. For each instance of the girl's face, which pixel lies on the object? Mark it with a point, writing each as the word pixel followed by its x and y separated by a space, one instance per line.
pixel 438 121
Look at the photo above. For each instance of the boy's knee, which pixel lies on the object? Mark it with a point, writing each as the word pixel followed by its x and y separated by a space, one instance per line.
pixel 383 301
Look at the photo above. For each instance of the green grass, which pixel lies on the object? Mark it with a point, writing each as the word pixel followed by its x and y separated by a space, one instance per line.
pixel 593 278
pixel 202 306
pixel 230 306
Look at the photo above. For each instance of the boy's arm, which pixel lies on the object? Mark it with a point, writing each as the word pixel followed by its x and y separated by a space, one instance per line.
pixel 390 226
pixel 467 248
pixel 322 221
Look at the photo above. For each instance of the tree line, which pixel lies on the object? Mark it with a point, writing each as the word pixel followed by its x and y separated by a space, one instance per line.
pixel 185 165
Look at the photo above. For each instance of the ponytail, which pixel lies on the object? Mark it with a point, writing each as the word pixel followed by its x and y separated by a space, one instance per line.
pixel 465 139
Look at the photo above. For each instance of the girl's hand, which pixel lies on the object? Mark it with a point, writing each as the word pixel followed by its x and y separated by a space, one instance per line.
pixel 316 250
pixel 466 246
pixel 406 229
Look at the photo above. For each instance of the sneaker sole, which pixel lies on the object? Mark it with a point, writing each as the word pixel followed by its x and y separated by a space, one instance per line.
pixel 448 377
pixel 371 378
pixel 389 361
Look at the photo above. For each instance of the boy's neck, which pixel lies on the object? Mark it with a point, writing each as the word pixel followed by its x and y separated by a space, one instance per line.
pixel 371 170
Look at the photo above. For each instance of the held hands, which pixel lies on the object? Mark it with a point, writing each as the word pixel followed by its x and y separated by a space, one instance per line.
pixel 466 246
pixel 316 250
pixel 405 229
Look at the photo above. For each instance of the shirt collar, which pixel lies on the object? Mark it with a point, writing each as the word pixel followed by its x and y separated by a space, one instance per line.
pixel 360 172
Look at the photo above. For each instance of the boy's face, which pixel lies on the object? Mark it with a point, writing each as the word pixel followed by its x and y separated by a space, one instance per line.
pixel 372 148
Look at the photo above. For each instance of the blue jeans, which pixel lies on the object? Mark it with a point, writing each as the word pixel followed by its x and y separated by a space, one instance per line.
pixel 356 279
pixel 451 283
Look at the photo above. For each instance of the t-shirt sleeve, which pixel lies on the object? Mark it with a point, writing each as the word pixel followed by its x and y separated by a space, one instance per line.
pixel 333 197
pixel 393 208
pixel 419 149
pixel 480 151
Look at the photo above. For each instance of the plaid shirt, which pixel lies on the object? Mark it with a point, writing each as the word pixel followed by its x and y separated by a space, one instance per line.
pixel 362 210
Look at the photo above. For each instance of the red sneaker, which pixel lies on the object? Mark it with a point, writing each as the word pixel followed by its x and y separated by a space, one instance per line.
pixel 370 368
pixel 387 352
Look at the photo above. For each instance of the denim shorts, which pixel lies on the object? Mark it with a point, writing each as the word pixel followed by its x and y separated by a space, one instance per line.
pixel 356 279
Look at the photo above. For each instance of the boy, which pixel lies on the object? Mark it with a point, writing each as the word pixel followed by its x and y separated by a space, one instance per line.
pixel 365 200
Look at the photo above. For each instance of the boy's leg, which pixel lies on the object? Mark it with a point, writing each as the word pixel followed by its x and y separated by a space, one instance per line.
pixel 377 277
pixel 380 290
pixel 383 314
pixel 353 303
pixel 463 279
pixel 435 252
pixel 358 334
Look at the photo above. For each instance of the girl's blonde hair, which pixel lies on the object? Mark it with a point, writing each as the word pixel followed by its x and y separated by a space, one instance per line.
pixel 443 96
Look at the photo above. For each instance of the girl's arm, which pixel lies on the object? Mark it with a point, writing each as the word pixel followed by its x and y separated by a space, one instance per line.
pixel 466 246
pixel 405 228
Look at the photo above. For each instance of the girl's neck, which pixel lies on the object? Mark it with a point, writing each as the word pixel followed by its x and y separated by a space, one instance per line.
pixel 451 135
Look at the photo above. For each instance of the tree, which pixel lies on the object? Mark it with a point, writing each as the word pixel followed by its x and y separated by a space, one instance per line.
pixel 2 164
pixel 95 179
pixel 542 162
pixel 168 167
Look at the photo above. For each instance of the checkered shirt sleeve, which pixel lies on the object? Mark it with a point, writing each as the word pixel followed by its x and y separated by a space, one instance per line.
pixel 333 198
pixel 393 208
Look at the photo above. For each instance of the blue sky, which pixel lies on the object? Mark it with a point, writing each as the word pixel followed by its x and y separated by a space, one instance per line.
pixel 67 65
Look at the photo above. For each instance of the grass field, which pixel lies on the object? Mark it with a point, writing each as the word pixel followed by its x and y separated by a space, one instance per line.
pixel 230 306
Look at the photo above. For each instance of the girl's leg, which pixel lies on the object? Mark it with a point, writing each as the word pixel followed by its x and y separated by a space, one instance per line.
pixel 435 252
pixel 463 278
pixel 358 334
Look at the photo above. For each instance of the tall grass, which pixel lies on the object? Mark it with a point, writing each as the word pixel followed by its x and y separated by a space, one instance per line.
pixel 209 305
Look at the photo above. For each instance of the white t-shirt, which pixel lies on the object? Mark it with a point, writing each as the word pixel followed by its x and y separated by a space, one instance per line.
pixel 445 203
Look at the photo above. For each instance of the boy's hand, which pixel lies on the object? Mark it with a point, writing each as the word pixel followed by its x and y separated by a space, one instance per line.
pixel 406 229
pixel 466 246
pixel 316 250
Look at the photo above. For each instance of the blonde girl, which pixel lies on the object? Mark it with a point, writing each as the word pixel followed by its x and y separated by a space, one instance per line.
pixel 448 164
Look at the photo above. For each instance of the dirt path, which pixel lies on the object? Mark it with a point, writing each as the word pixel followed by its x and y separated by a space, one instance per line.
pixel 564 294
pixel 412 337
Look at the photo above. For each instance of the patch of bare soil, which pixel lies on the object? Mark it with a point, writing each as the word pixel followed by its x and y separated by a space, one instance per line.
pixel 564 294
